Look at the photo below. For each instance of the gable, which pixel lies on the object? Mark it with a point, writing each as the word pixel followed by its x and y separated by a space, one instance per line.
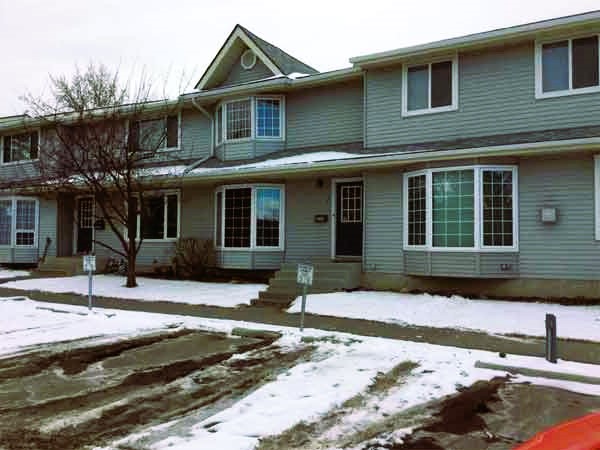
pixel 239 74
pixel 270 61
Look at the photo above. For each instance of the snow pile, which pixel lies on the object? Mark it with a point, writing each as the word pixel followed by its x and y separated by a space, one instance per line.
pixel 576 322
pixel 150 289
pixel 8 273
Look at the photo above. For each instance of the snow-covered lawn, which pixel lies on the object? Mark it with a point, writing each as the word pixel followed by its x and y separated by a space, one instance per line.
pixel 8 273
pixel 150 289
pixel 342 367
pixel 577 322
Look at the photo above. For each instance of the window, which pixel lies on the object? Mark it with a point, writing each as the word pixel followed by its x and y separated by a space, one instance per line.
pixel 239 120
pixel 156 134
pixel 268 118
pixel 20 147
pixel 568 66
pixel 251 118
pixel 18 222
pixel 431 87
pixel 249 217
pixel 160 218
pixel 462 208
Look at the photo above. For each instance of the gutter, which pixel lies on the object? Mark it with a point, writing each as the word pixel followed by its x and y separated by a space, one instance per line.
pixel 362 162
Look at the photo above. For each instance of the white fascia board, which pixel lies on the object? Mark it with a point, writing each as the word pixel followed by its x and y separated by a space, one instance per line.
pixel 487 37
pixel 400 159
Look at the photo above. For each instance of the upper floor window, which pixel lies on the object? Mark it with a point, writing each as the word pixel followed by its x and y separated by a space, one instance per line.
pixel 156 134
pixel 465 208
pixel 568 66
pixel 20 147
pixel 250 118
pixel 430 87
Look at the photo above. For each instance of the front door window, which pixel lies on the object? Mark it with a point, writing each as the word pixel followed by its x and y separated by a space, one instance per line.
pixel 349 219
pixel 85 224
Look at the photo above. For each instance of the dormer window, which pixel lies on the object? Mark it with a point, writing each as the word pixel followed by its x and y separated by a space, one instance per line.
pixel 567 66
pixel 430 87
pixel 20 147
pixel 260 117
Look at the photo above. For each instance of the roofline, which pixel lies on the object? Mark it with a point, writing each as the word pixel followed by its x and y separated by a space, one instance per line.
pixel 280 81
pixel 90 114
pixel 401 159
pixel 238 32
pixel 487 37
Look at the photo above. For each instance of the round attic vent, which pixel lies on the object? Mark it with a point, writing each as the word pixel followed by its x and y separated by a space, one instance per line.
pixel 248 59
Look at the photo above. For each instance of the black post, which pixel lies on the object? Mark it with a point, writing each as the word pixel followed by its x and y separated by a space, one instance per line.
pixel 551 343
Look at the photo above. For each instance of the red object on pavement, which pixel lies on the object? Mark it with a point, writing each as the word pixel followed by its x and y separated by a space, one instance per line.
pixel 578 434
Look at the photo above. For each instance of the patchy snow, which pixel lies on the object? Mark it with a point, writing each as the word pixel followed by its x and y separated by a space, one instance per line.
pixel 8 273
pixel 342 366
pixel 576 322
pixel 150 289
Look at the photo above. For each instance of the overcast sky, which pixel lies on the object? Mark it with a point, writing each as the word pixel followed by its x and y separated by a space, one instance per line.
pixel 175 40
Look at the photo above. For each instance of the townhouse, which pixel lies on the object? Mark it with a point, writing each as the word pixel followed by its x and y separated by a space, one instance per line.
pixel 465 165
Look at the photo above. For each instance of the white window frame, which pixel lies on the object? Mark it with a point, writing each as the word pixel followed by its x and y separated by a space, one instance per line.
pixel 253 247
pixel 222 109
pixel 20 161
pixel 477 212
pixel 597 196
pixel 430 110
pixel 165 117
pixel 13 225
pixel 164 195
pixel 539 93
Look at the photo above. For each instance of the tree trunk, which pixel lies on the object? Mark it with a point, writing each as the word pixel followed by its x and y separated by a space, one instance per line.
pixel 131 257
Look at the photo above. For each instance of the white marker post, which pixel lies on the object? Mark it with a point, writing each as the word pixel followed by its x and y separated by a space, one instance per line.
pixel 304 278
pixel 89 266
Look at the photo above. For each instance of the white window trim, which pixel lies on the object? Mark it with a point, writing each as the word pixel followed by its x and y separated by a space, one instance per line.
pixel 539 93
pixel 164 195
pixel 222 109
pixel 251 65
pixel 429 110
pixel 477 213
pixel 165 118
pixel 20 161
pixel 253 247
pixel 13 225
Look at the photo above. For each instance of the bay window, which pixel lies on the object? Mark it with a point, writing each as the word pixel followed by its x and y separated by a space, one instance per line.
pixel 249 217
pixel 18 222
pixel 249 118
pixel 466 208
pixel 567 66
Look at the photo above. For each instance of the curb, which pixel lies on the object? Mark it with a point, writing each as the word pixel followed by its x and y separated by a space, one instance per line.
pixel 538 373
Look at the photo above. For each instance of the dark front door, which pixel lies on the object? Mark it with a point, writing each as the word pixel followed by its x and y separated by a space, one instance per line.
pixel 349 219
pixel 85 224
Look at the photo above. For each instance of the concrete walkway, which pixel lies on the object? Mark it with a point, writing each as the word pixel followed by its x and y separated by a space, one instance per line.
pixel 572 350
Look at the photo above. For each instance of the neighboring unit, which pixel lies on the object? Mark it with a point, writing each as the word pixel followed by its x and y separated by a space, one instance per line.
pixel 465 165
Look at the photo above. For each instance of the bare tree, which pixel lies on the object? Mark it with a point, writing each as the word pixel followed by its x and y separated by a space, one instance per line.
pixel 102 138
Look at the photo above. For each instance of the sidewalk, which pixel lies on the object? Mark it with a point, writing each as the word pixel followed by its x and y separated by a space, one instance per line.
pixel 572 350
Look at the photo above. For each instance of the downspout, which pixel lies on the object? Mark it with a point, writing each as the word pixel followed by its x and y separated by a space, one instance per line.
pixel 212 138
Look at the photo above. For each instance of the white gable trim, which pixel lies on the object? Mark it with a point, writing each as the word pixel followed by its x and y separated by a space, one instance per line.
pixel 237 34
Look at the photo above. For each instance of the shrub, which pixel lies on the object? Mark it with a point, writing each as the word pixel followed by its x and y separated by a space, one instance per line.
pixel 194 258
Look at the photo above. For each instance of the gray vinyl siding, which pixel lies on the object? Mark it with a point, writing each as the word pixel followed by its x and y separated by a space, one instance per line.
pixel 197 212
pixel 243 259
pixel 332 114
pixel 383 222
pixel 496 96
pixel 18 171
pixel 306 240
pixel 239 75
pixel 248 149
pixel 566 249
